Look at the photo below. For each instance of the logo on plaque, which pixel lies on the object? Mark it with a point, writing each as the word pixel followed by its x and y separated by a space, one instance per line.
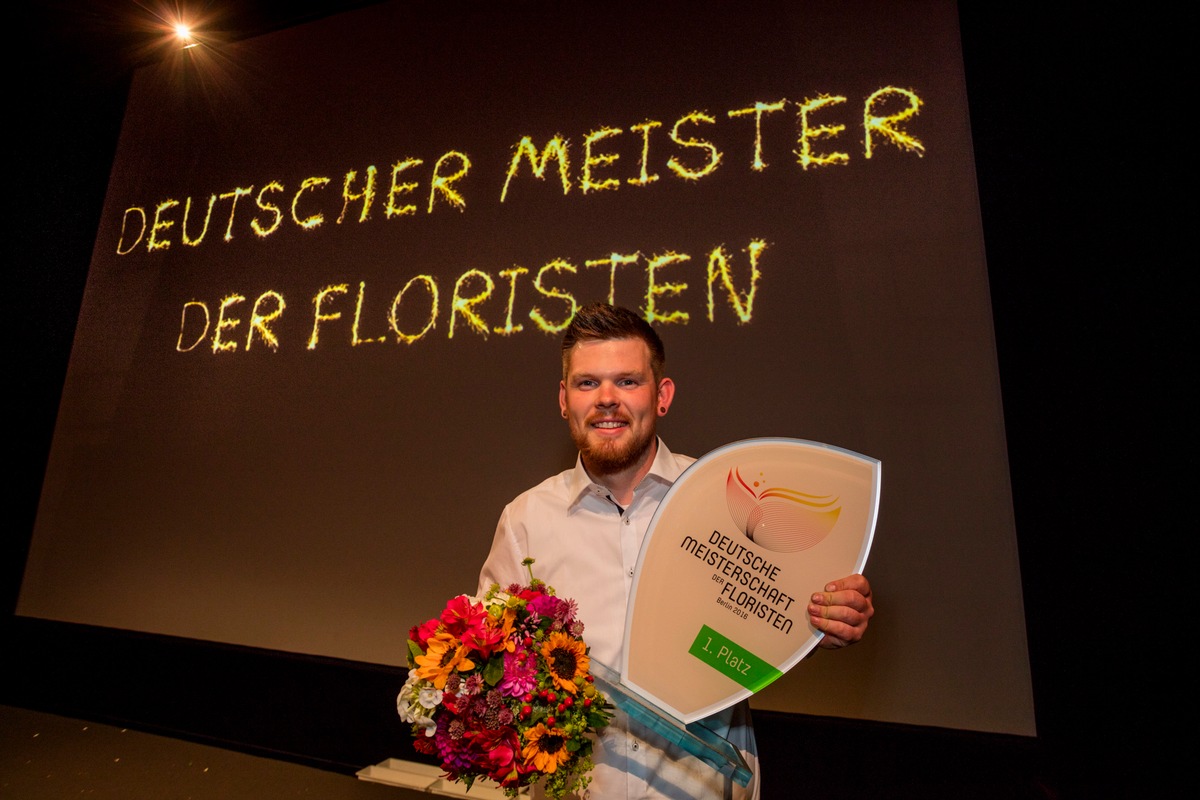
pixel 780 519
pixel 718 608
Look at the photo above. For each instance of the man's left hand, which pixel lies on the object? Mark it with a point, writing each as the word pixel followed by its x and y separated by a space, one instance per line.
pixel 842 611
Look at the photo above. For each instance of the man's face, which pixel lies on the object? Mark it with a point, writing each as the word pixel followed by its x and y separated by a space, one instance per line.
pixel 612 403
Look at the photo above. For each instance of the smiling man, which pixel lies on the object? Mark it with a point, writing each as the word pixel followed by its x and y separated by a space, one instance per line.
pixel 584 527
pixel 612 396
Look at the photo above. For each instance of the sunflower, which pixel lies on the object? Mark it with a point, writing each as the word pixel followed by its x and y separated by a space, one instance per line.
pixel 547 748
pixel 445 654
pixel 566 659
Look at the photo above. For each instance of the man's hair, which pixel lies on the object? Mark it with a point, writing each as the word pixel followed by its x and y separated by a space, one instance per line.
pixel 602 322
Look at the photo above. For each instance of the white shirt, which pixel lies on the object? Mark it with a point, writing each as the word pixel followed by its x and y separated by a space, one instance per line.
pixel 586 547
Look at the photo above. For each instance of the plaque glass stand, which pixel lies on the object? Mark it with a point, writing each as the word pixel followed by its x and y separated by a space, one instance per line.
pixel 695 738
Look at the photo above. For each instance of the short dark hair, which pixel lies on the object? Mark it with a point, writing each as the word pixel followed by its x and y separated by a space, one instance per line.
pixel 602 322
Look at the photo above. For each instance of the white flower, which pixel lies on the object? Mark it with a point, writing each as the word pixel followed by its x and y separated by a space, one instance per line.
pixel 429 697
pixel 408 699
pixel 416 702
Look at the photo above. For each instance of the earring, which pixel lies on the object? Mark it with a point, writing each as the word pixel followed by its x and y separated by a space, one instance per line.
pixel 564 414
pixel 662 409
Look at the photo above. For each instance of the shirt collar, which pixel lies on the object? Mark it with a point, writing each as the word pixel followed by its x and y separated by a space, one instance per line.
pixel 664 469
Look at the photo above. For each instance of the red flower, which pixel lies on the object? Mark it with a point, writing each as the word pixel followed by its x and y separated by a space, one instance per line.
pixel 530 592
pixel 421 633
pixel 455 704
pixel 501 748
pixel 461 616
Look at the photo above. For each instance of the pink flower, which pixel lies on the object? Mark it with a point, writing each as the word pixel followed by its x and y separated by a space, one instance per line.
pixel 520 674
pixel 546 606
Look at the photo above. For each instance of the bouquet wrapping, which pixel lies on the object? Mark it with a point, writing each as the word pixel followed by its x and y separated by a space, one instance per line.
pixel 500 687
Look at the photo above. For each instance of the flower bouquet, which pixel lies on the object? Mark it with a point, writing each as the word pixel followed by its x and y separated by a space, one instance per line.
pixel 500 688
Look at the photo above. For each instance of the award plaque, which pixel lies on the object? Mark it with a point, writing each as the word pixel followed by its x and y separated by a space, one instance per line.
pixel 741 541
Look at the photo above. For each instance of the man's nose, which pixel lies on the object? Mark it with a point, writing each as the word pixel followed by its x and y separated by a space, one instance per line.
pixel 606 395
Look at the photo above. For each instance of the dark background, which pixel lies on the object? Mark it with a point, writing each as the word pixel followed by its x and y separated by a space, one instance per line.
pixel 1074 165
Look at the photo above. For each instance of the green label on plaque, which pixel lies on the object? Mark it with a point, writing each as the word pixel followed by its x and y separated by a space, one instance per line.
pixel 727 657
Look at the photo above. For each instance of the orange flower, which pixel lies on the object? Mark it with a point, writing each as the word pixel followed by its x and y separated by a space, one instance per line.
pixel 547 748
pixel 566 660
pixel 507 622
pixel 445 655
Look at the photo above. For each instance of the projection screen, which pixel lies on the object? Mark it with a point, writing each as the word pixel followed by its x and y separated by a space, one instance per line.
pixel 318 347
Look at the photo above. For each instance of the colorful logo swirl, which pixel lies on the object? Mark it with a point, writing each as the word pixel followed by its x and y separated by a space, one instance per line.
pixel 779 519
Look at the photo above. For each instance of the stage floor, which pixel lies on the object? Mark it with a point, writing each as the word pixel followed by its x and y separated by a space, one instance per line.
pixel 47 757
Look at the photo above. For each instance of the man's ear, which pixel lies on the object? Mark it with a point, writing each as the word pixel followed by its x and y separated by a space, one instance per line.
pixel 562 399
pixel 666 393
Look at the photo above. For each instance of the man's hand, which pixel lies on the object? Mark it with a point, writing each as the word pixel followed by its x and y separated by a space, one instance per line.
pixel 841 611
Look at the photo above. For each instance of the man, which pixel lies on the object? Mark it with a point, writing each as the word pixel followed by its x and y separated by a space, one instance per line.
pixel 584 528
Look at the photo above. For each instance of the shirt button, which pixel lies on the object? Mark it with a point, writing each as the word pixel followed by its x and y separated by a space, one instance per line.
pixel 631 573
pixel 627 520
pixel 635 746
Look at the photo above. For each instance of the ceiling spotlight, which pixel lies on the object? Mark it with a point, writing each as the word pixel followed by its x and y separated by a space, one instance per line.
pixel 184 34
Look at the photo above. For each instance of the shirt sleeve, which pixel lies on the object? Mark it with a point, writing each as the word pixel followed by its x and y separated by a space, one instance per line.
pixel 503 564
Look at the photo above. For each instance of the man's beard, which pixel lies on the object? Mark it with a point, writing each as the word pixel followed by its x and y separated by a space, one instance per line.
pixel 609 458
